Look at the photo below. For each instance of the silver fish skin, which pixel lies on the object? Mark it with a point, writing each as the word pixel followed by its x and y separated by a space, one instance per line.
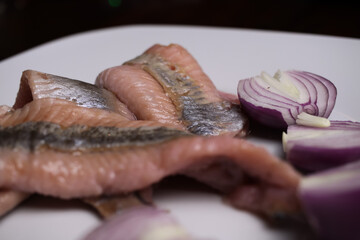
pixel 38 85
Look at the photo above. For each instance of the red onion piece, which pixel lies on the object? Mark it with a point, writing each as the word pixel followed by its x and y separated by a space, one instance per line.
pixel 315 149
pixel 140 223
pixel 277 101
pixel 331 200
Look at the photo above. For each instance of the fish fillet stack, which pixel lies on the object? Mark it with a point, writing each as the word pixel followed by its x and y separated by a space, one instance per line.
pixel 155 116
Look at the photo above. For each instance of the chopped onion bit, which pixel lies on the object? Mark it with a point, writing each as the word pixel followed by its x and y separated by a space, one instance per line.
pixel 284 141
pixel 165 233
pixel 312 121
pixel 282 83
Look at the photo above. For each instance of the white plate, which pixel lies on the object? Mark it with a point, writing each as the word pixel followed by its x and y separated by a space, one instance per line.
pixel 226 55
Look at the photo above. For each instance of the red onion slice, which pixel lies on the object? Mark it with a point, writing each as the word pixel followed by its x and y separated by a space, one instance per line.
pixel 140 223
pixel 331 91
pixel 314 149
pixel 277 101
pixel 331 200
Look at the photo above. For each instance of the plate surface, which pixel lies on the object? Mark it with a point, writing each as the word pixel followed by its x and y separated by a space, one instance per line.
pixel 226 55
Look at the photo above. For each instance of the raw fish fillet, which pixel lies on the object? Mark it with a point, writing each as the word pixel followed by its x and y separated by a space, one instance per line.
pixel 166 84
pixel 37 85
pixel 67 113
pixel 107 206
pixel 10 199
pixel 59 164
pixel 81 161
pixel 47 97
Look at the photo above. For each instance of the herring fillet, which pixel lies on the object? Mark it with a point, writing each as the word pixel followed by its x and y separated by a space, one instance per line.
pixel 81 161
pixel 10 199
pixel 67 113
pixel 48 97
pixel 38 85
pixel 64 113
pixel 166 84
pixel 229 176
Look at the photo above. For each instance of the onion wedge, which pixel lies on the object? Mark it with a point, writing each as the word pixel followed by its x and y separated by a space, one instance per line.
pixel 314 149
pixel 331 200
pixel 142 223
pixel 277 101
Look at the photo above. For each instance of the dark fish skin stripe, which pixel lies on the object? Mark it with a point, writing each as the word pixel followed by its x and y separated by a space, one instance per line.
pixel 33 135
pixel 212 118
pixel 198 115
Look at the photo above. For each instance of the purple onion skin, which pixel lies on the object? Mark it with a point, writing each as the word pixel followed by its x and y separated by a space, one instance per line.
pixel 315 154
pixel 313 159
pixel 133 223
pixel 265 116
pixel 331 200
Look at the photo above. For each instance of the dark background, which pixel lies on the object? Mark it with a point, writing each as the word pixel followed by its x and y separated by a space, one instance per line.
pixel 27 23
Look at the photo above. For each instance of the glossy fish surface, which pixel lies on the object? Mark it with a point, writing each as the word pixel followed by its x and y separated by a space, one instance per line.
pixel 67 113
pixel 37 85
pixel 185 95
pixel 47 97
pixel 81 161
